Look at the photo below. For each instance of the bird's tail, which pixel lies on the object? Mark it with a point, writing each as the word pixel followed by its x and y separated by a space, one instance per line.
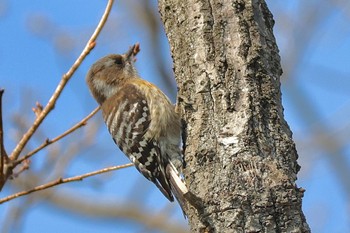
pixel 177 184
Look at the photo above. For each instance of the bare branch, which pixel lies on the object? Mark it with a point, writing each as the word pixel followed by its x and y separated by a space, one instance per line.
pixel 62 181
pixel 3 154
pixel 66 77
pixel 59 137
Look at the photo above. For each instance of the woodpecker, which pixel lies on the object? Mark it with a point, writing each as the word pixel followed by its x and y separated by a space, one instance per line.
pixel 140 118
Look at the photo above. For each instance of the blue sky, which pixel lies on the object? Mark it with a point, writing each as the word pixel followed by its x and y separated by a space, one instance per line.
pixel 41 39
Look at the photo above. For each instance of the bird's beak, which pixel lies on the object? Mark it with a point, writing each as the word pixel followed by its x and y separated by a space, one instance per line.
pixel 130 53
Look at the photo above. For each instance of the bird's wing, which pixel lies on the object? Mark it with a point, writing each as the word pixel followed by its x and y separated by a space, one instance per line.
pixel 127 116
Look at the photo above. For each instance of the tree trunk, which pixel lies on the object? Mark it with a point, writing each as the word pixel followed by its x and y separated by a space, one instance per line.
pixel 241 160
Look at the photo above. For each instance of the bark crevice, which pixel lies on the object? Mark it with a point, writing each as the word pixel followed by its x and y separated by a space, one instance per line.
pixel 241 159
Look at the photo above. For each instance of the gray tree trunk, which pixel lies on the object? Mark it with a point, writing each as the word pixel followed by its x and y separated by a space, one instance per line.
pixel 241 159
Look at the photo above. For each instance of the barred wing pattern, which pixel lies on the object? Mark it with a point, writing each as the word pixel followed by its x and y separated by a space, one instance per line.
pixel 127 116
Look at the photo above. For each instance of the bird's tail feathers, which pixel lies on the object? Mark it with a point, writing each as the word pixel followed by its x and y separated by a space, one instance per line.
pixel 177 184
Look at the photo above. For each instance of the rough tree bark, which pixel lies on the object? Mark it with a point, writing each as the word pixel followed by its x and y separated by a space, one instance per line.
pixel 241 160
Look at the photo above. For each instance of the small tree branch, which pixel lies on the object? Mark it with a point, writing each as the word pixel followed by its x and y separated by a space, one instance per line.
pixel 66 77
pixel 59 137
pixel 3 154
pixel 62 181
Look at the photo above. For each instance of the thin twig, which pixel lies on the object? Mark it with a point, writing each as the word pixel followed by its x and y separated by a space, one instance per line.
pixel 59 137
pixel 3 155
pixel 62 181
pixel 50 105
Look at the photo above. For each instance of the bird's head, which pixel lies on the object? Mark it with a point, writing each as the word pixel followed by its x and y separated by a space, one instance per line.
pixel 109 73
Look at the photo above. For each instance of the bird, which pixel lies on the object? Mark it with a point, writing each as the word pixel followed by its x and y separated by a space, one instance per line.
pixel 141 120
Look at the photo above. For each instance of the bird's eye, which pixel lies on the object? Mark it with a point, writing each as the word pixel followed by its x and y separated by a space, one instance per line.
pixel 118 60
